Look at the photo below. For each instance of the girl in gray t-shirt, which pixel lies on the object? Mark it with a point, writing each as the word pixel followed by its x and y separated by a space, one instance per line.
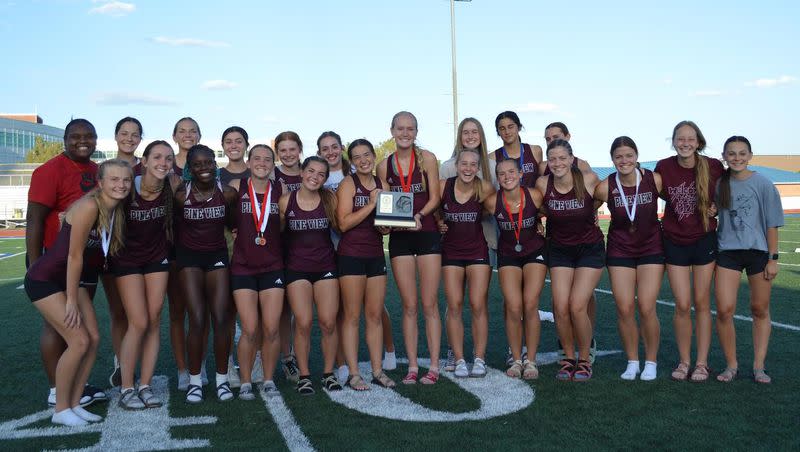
pixel 750 214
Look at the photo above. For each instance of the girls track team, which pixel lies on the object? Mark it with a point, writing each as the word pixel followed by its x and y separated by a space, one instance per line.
pixel 302 234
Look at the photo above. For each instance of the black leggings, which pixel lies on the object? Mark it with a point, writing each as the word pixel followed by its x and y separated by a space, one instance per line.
pixel 207 292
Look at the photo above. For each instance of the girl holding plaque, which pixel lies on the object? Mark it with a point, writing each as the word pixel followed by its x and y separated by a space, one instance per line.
pixel 413 170
pixel 690 242
pixel 635 254
pixel 520 264
pixel 257 275
pixel 575 253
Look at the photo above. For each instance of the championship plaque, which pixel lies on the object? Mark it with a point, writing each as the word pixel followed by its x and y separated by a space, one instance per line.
pixel 395 209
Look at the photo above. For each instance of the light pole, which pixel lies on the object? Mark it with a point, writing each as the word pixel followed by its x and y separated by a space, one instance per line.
pixel 453 57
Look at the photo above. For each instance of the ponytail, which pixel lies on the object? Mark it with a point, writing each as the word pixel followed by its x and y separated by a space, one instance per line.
pixel 329 204
pixel 418 156
pixel 701 182
pixel 578 183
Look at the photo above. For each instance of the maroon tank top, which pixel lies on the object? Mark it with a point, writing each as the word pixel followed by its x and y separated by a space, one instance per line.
pixel 529 237
pixel 177 169
pixel 530 167
pixel 362 240
pixel 645 238
pixel 201 226
pixel 570 221
pixel 310 245
pixel 421 196
pixel 52 265
pixel 292 182
pixel 145 236
pixel 249 258
pixel 464 237
pixel 682 222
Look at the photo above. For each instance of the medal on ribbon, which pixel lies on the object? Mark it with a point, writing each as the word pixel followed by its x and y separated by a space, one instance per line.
pixel 260 211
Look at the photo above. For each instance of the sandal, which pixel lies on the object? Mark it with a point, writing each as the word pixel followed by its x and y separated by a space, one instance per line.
pixel 129 400
pixel 410 378
pixel 430 378
pixel 566 370
pixel 150 400
pixel 727 375
pixel 304 386
pixel 681 373
pixel 530 371
pixel 583 371
pixel 194 394
pixel 700 373
pixel 760 376
pixel 331 383
pixel 224 392
pixel 357 383
pixel 383 380
pixel 515 370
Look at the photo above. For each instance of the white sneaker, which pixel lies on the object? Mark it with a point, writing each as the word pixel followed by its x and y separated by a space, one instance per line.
pixel 478 369
pixel 268 389
pixel 631 371
pixel 85 415
pixel 450 363
pixel 461 370
pixel 183 380
pixel 246 392
pixel 650 371
pixel 257 375
pixel 69 418
pixel 389 361
pixel 233 373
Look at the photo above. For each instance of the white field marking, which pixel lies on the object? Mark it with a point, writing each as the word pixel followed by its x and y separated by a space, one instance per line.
pixel 296 441
pixel 120 430
pixel 789 265
pixel 786 241
pixel 21 286
pixel 11 279
pixel 13 255
pixel 499 395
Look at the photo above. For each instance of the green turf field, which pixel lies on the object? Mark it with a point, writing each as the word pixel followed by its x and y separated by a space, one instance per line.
pixel 491 413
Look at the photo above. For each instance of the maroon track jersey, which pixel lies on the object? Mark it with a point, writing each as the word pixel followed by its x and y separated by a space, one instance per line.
pixel 292 182
pixel 421 195
pixel 529 236
pixel 52 266
pixel 177 169
pixel 362 240
pixel 571 221
pixel 682 222
pixel 530 167
pixel 145 233
pixel 249 258
pixel 201 225
pixel 645 237
pixel 464 238
pixel 310 245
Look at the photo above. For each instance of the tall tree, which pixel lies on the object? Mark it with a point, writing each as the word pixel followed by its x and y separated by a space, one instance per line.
pixel 383 149
pixel 43 151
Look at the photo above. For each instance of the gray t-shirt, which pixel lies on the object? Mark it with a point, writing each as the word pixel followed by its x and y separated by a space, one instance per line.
pixel 755 207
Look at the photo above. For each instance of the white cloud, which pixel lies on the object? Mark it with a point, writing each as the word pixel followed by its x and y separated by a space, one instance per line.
pixel 707 93
pixel 537 107
pixel 219 85
pixel 667 81
pixel 772 82
pixel 114 8
pixel 121 98
pixel 189 42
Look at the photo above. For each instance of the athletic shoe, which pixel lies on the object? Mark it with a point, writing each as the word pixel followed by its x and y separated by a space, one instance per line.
pixel 389 361
pixel 509 357
pixel 478 369
pixel 97 394
pixel 203 374
pixel 631 371
pixel 85 415
pixel 290 370
pixel 450 364
pixel 269 390
pixel 257 375
pixel 461 370
pixel 84 402
pixel 650 371
pixel 592 351
pixel 233 373
pixel 115 379
pixel 69 418
pixel 129 400
pixel 183 380
pixel 246 392
pixel 304 386
pixel 331 383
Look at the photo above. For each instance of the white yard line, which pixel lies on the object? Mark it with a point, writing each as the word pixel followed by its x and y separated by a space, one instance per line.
pixel 292 434
pixel 13 255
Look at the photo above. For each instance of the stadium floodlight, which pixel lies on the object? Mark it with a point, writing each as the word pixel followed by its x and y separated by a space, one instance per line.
pixel 453 58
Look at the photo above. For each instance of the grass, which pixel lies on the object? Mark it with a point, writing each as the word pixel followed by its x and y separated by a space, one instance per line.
pixel 605 413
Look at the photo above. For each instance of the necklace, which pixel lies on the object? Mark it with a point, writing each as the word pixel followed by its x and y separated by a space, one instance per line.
pixel 201 195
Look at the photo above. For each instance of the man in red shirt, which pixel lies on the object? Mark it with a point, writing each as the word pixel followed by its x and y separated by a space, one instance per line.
pixel 55 185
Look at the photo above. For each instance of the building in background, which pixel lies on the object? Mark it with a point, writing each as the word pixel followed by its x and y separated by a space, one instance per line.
pixel 18 133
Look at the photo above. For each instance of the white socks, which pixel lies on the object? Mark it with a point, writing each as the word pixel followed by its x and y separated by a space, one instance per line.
pixel 195 380
pixel 631 371
pixel 69 418
pixel 85 415
pixel 650 371
pixel 221 378
pixel 389 361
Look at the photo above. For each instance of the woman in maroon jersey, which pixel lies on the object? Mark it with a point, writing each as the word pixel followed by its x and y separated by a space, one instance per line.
pixel 202 257
pixel 361 264
pixel 508 126
pixel 690 242
pixel 465 258
pixel 575 254
pixel 53 283
pixel 635 254
pixel 414 170
pixel 257 277
pixel 309 214
pixel 141 270
pixel 520 264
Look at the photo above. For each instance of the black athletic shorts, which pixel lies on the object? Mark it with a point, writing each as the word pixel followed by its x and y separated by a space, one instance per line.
pixel 36 290
pixel 537 257
pixel 153 267
pixel 312 277
pixel 414 243
pixel 205 260
pixel 701 252
pixel 259 282
pixel 633 262
pixel 752 261
pixel 592 255
pixel 361 266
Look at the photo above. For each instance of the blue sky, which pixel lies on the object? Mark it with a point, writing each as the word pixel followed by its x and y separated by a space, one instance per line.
pixel 604 68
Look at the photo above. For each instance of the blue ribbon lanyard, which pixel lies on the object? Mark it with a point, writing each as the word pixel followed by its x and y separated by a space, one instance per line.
pixel 521 156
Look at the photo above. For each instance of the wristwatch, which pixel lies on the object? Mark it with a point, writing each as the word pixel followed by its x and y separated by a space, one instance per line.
pixel 773 257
